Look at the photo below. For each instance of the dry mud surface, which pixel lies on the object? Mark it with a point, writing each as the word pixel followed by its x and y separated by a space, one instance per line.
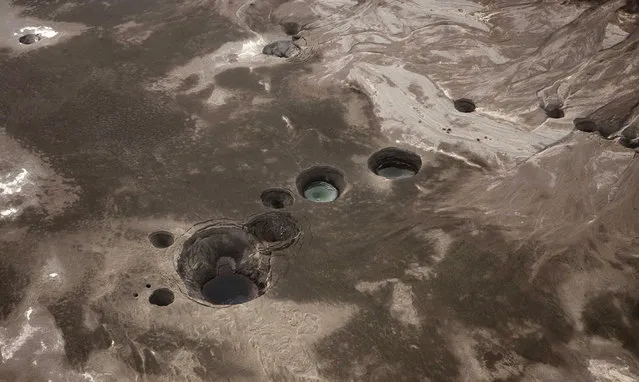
pixel 147 146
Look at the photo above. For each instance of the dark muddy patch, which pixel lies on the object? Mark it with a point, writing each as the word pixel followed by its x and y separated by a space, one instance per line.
pixel 79 341
pixel 239 78
pixel 632 7
pixel 374 334
pixel 395 163
pixel 189 82
pixel 614 316
pixel 13 283
pixel 212 360
pixel 486 285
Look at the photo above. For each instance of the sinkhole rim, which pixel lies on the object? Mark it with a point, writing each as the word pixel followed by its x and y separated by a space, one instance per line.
pixel 277 198
pixel 394 157
pixel 316 174
pixel 216 290
pixel 162 297
pixel 464 105
pixel 161 239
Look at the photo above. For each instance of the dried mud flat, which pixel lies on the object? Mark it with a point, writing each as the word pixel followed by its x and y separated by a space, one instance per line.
pixel 151 154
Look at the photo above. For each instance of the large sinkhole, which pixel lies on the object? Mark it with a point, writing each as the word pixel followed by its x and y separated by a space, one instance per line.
pixel 321 184
pixel 228 264
pixel 395 163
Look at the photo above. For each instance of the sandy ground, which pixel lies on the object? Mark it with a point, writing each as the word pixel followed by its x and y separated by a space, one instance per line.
pixel 510 256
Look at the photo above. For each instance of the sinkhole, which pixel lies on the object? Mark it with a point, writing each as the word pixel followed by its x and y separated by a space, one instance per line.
pixel 277 198
pixel 464 105
pixel 585 124
pixel 162 297
pixel 321 184
pixel 395 163
pixel 161 239
pixel 228 287
pixel 29 39
pixel 229 263
pixel 554 112
pixel 276 230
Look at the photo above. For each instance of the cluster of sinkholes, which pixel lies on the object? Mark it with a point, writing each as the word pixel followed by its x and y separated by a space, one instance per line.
pixel 228 263
pixel 466 105
pixel 325 184
pixel 628 135
pixel 160 296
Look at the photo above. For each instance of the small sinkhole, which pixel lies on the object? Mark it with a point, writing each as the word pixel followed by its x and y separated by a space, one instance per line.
pixel 161 239
pixel 321 184
pixel 277 230
pixel 162 297
pixel 464 105
pixel 395 163
pixel 29 39
pixel 554 112
pixel 585 124
pixel 277 198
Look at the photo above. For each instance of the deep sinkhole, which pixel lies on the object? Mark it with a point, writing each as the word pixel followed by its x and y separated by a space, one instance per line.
pixel 464 105
pixel 394 163
pixel 228 264
pixel 161 239
pixel 162 297
pixel 321 184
